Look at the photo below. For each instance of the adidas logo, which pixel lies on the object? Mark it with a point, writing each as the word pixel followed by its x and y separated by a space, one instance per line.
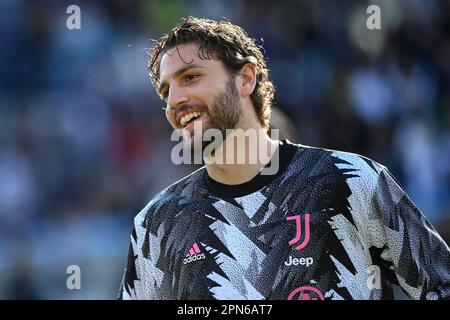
pixel 194 254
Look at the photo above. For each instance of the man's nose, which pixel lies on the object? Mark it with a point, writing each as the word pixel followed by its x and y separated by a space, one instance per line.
pixel 176 97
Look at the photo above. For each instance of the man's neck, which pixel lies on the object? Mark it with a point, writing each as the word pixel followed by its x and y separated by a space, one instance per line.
pixel 237 160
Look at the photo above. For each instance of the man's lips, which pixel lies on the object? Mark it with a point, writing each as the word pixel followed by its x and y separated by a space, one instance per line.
pixel 190 125
pixel 181 114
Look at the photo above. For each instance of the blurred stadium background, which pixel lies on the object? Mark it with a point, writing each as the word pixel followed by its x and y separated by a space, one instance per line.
pixel 84 143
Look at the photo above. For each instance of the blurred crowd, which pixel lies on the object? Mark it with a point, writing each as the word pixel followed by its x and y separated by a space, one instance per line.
pixel 84 143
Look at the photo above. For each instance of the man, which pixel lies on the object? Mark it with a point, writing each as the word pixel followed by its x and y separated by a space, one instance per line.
pixel 325 225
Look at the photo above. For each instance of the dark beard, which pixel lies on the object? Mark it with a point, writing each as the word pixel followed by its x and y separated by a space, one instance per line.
pixel 223 114
pixel 226 110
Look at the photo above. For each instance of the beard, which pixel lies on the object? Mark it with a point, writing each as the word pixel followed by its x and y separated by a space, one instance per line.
pixel 224 113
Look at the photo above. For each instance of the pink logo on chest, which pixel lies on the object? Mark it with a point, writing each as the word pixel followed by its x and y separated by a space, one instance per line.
pixel 194 250
pixel 298 234
pixel 306 293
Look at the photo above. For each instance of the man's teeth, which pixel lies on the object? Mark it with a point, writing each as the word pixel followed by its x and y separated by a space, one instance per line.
pixel 188 117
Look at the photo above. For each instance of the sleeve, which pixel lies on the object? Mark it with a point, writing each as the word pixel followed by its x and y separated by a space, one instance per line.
pixel 130 285
pixel 419 257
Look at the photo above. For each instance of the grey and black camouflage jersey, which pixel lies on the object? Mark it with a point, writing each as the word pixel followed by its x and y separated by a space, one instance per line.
pixel 328 225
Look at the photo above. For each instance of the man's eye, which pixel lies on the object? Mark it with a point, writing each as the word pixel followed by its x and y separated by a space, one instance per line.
pixel 191 77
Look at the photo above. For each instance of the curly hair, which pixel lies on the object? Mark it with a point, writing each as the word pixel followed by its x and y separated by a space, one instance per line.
pixel 223 41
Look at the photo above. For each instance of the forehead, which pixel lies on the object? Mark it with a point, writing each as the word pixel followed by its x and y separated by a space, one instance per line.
pixel 182 56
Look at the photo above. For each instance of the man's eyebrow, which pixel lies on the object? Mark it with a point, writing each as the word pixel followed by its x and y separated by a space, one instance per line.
pixel 178 73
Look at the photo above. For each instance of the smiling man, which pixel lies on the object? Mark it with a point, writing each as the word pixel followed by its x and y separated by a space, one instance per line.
pixel 326 225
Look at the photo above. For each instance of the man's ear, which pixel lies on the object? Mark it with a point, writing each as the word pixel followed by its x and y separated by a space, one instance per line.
pixel 248 79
